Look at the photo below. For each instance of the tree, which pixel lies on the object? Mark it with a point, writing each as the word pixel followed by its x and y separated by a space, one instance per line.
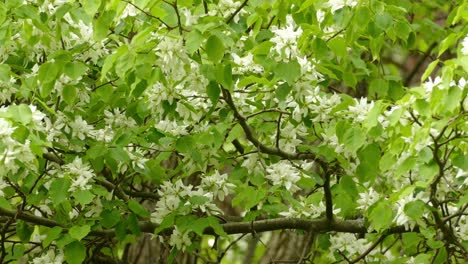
pixel 235 131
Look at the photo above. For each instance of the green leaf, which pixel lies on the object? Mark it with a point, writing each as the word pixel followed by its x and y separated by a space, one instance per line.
pixel 75 253
pixel 109 218
pixel 184 144
pixel 119 154
pixel 453 99
pixel 405 166
pixel 5 204
pixel 214 223
pixel 4 72
pixel 167 222
pixel 338 46
pixel 282 91
pixel 378 88
pixel 381 215
pixel 101 25
pixel 58 191
pixel 214 48
pixel 138 209
pixel 429 70
pixel 354 138
pixel 194 39
pixel 96 150
pixel 79 232
pixel 288 71
pixel 369 159
pixel 383 20
pixel 248 197
pixel 21 113
pixel 75 70
pixel 24 231
pixel 52 235
pixel 415 209
pixel 91 6
pixel 69 94
pixel 83 197
pixel 47 75
pixel 447 42
pixel 223 74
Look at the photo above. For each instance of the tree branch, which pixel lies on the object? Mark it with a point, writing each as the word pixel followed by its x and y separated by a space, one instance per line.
pixel 236 12
pixel 311 225
pixel 249 134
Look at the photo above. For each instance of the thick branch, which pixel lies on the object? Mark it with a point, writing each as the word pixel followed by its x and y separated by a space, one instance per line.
pixel 312 225
pixel 29 218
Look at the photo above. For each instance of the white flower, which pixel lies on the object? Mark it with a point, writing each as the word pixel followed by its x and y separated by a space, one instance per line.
pixel 464 49
pixel 117 119
pixel 129 10
pixel 190 18
pixel 49 258
pixel 430 84
pixel 320 15
pixel 37 116
pixel 335 5
pixel 289 134
pixel 80 174
pixel 322 107
pixel 217 184
pixel 284 174
pixel 3 185
pixel 171 127
pixel 348 244
pixel 5 128
pixel 80 128
pixel 180 240
pixel 245 64
pixel 360 110
pixel 367 199
pixel 285 39
pixel 401 218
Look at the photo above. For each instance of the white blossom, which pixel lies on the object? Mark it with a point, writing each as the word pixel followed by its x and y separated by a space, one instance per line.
pixel 335 5
pixel 80 174
pixel 246 64
pixel 180 240
pixel 285 39
pixel 51 257
pixel 6 129
pixel 117 119
pixel 367 198
pixel 464 44
pixel 348 243
pixel 171 127
pixel 430 84
pixel 360 110
pixel 401 218
pixel 80 128
pixel 283 174
pixel 217 184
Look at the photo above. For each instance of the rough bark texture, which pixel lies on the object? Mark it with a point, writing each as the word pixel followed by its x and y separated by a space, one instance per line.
pixel 286 247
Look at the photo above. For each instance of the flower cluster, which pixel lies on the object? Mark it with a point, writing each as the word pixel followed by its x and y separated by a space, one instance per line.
pixel 284 174
pixel 285 40
pixel 217 184
pixel 51 257
pixel 183 199
pixel 80 173
pixel 347 243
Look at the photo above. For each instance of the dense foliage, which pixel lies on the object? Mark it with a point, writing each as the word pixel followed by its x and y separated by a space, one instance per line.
pixel 191 120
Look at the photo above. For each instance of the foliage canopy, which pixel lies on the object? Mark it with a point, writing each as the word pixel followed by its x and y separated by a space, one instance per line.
pixel 345 120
